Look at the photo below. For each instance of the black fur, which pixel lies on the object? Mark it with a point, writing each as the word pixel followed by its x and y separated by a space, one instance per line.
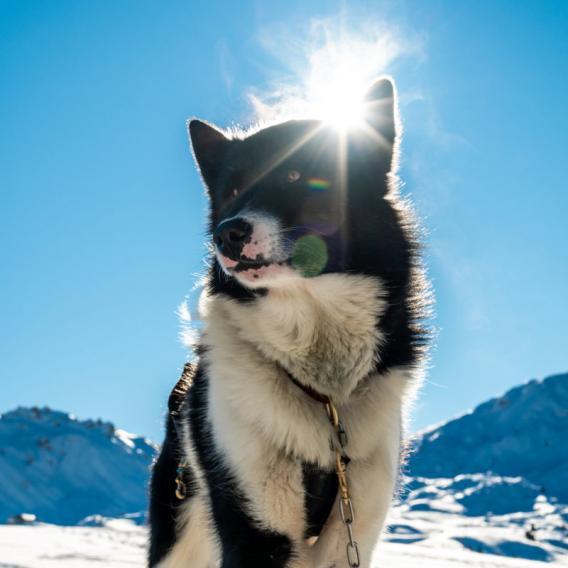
pixel 251 172
pixel 163 502
pixel 320 492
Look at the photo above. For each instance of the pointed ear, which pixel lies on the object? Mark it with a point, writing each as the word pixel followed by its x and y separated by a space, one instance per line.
pixel 209 146
pixel 380 109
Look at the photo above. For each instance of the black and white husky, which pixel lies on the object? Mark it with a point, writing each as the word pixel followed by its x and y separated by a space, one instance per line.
pixel 314 295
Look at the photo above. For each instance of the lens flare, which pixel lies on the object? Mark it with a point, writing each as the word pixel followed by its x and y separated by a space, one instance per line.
pixel 318 184
pixel 310 255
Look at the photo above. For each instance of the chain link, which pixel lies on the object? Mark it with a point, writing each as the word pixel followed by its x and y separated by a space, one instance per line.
pixel 345 504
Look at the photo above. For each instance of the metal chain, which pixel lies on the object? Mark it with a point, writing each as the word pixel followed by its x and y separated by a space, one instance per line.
pixel 345 503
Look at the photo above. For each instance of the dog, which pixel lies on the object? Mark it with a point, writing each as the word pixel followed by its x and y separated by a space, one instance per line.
pixel 285 434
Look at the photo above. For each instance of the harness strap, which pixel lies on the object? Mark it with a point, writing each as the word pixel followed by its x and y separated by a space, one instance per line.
pixel 175 405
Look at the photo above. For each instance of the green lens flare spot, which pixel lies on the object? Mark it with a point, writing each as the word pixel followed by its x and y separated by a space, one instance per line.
pixel 310 255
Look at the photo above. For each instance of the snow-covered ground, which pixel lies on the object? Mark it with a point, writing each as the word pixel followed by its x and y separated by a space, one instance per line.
pixel 455 537
pixel 121 544
pixel 442 523
pixel 507 516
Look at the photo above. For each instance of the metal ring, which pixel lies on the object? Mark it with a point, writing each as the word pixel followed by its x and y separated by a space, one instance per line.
pixel 351 515
pixel 353 555
pixel 181 490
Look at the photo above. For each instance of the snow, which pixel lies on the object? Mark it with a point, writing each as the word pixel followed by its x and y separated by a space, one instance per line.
pixel 119 544
pixel 122 544
pixel 432 528
pixel 434 516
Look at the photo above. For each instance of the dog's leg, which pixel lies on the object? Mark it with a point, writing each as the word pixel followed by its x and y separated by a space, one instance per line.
pixel 371 485
pixel 180 532
pixel 195 545
pixel 163 502
pixel 259 513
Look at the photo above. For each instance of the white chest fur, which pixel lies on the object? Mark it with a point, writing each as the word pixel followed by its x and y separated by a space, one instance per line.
pixel 325 332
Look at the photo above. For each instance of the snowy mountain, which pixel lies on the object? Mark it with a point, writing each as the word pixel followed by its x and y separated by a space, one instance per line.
pixel 523 433
pixel 62 469
pixel 494 480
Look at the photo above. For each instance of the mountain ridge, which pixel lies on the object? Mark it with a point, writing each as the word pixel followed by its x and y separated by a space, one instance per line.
pixel 520 433
pixel 63 469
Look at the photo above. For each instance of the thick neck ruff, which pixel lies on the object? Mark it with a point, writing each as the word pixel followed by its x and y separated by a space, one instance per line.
pixel 323 331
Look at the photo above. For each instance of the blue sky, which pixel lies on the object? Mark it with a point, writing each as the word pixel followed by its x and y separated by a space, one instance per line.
pixel 101 209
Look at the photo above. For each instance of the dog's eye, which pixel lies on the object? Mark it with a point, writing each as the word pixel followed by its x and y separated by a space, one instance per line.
pixel 293 176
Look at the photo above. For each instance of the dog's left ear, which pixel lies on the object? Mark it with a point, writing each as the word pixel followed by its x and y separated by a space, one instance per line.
pixel 381 111
pixel 209 146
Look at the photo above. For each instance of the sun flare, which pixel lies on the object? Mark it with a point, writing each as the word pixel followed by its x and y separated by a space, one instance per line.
pixel 341 105
pixel 329 71
pixel 335 94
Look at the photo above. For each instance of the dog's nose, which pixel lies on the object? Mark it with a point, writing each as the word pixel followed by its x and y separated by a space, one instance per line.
pixel 230 237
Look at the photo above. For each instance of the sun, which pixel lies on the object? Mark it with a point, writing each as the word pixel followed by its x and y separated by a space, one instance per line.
pixel 329 72
pixel 344 117
pixel 335 94
pixel 341 64
pixel 344 108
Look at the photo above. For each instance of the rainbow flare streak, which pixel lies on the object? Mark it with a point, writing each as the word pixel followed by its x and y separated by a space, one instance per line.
pixel 319 184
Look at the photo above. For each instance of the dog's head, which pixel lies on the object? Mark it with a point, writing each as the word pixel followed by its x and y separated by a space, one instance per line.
pixel 300 199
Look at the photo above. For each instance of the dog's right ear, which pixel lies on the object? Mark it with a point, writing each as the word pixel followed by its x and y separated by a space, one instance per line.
pixel 209 146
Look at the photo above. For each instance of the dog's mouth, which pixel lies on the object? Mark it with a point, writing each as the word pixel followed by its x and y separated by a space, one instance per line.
pixel 244 264
pixel 253 272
